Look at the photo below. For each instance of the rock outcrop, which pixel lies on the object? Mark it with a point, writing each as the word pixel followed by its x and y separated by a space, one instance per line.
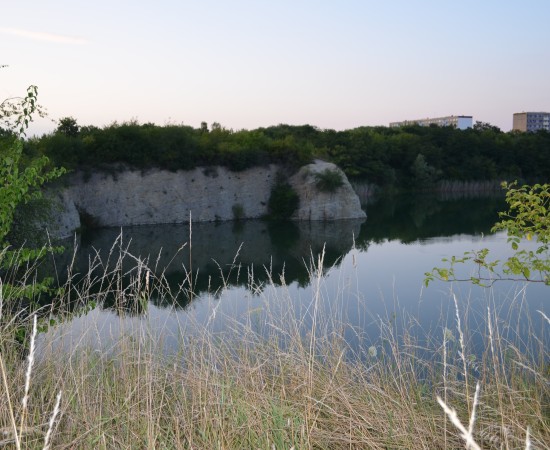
pixel 341 203
pixel 128 197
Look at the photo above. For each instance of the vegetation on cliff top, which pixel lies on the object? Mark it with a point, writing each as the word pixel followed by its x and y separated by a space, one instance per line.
pixel 408 157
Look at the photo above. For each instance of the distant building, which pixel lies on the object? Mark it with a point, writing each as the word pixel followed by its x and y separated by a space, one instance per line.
pixel 531 121
pixel 460 122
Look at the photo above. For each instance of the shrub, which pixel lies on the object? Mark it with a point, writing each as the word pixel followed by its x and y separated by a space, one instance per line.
pixel 329 180
pixel 238 211
pixel 283 201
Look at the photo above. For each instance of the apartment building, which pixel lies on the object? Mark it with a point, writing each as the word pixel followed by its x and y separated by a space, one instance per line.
pixel 531 121
pixel 460 122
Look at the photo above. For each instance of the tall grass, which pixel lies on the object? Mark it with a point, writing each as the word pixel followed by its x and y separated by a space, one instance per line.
pixel 280 375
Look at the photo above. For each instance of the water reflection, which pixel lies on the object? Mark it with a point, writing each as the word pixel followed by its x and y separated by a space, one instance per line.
pixel 374 269
pixel 215 255
pixel 212 250
pixel 409 218
pixel 218 254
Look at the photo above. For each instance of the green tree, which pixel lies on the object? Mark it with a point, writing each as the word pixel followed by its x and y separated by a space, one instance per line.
pixel 424 175
pixel 527 219
pixel 483 126
pixel 68 127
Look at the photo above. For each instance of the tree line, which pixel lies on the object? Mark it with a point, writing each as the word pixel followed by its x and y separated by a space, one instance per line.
pixel 406 157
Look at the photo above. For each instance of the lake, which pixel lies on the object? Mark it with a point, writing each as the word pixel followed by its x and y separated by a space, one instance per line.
pixel 255 273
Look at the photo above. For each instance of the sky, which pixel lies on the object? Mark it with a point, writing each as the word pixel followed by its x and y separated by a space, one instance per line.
pixel 246 64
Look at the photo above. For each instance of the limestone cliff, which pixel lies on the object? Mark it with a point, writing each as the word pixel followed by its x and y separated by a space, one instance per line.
pixel 204 194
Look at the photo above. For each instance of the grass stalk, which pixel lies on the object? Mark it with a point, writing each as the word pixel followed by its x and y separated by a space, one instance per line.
pixel 462 353
pixel 30 362
pixel 51 423
pixel 465 434
pixel 13 423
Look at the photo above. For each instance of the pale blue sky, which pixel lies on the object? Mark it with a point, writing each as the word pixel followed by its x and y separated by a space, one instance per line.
pixel 333 64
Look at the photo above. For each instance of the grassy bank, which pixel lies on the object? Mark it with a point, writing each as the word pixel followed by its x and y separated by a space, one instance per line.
pixel 274 378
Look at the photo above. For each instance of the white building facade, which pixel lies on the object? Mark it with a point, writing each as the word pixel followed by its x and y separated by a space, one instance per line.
pixel 460 122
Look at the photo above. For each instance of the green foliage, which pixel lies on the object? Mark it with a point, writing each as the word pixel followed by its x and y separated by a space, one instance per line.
pixel 528 214
pixel 68 127
pixel 329 180
pixel 16 113
pixel 238 211
pixel 408 158
pixel 527 219
pixel 20 183
pixel 171 147
pixel 482 126
pixel 389 156
pixel 283 201
pixel 424 175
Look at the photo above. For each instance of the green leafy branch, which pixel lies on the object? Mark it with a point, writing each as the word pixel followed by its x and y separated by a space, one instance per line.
pixel 16 113
pixel 20 183
pixel 527 219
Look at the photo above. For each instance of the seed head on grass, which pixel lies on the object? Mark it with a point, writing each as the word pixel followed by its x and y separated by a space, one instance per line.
pixel 466 434
pixel 544 315
pixel 52 422
pixel 28 374
pixel 30 360
pixel 462 352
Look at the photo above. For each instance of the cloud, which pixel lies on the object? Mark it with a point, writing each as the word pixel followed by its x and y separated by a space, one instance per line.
pixel 39 36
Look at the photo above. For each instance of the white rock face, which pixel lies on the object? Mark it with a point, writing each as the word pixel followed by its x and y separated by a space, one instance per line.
pixel 343 203
pixel 161 196
pixel 64 218
pixel 204 194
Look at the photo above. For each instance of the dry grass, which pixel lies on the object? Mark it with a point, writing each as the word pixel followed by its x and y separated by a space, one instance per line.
pixel 277 378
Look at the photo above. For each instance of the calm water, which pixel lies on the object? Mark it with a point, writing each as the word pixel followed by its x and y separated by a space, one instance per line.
pixel 374 272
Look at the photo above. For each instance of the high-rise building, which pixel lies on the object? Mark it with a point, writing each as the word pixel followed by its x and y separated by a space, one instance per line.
pixel 460 122
pixel 531 121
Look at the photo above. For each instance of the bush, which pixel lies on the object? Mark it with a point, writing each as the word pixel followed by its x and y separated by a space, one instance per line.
pixel 20 184
pixel 329 180
pixel 283 201
pixel 238 211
